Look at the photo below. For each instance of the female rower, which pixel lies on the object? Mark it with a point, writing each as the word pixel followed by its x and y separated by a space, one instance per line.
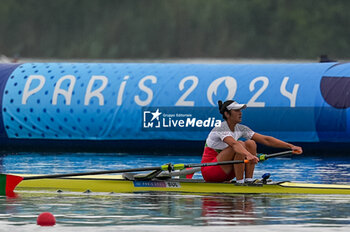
pixel 222 145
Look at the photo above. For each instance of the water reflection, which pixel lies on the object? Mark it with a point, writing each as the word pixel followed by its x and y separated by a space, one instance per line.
pixel 228 210
pixel 175 209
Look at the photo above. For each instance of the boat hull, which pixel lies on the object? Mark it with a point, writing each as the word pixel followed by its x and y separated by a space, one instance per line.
pixel 115 183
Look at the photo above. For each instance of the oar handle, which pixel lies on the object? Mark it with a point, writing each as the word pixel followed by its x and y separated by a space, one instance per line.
pixel 263 157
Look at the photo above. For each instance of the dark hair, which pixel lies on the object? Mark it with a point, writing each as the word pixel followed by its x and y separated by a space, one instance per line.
pixel 223 107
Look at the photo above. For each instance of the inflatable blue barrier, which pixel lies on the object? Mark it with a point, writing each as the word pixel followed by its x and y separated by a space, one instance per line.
pixel 81 102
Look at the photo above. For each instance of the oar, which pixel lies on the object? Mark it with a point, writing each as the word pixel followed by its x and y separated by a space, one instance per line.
pixel 263 157
pixel 166 167
pixel 9 182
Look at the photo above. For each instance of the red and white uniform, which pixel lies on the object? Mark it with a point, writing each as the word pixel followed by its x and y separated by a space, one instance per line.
pixel 214 144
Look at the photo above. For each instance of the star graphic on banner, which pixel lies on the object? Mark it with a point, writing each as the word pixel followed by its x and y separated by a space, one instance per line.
pixel 156 115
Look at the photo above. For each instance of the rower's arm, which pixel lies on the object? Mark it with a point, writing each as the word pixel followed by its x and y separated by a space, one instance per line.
pixel 273 142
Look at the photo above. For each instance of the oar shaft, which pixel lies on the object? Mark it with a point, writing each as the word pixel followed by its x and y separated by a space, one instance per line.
pixel 216 163
pixel 279 154
pixel 166 167
pixel 186 172
pixel 91 173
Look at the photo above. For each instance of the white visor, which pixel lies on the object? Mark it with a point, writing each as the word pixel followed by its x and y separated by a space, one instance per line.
pixel 236 106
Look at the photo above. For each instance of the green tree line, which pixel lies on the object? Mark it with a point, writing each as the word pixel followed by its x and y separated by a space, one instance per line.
pixel 175 28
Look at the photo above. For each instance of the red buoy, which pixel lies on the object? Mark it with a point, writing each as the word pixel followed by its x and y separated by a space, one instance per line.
pixel 46 219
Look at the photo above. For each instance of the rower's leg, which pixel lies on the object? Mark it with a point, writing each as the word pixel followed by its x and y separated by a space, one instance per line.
pixel 250 145
pixel 227 155
pixel 239 168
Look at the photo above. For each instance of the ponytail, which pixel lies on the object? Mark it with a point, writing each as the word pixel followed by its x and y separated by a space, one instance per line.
pixel 222 107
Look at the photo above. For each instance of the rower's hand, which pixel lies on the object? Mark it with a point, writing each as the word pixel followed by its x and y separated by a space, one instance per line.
pixel 297 150
pixel 252 159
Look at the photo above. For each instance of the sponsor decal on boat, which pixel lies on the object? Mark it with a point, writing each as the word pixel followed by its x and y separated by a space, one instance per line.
pixel 156 184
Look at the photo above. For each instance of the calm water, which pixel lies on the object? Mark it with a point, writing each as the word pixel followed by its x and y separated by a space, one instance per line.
pixel 172 211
